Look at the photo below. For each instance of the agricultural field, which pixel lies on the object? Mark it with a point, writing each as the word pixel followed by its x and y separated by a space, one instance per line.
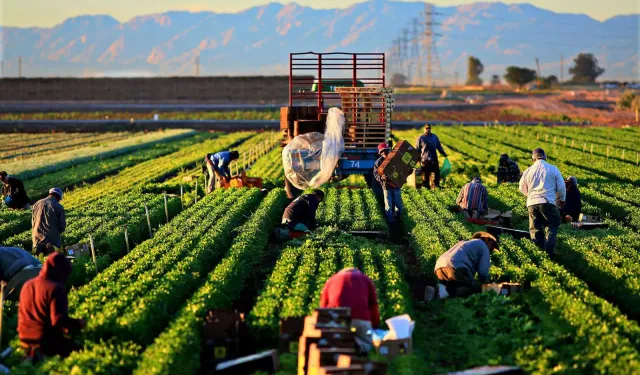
pixel 156 275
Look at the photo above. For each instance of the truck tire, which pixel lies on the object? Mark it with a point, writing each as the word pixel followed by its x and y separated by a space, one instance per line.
pixel 292 191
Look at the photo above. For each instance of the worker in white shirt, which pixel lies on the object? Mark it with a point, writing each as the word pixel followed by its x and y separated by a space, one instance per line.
pixel 542 183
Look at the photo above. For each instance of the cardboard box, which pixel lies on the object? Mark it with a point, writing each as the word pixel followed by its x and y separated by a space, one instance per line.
pixel 400 163
pixel 393 348
pixel 263 362
pixel 589 219
pixel 225 336
pixel 79 250
pixel 504 289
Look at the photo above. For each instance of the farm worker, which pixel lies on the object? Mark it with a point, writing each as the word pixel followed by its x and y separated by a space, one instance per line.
pixel 16 268
pixel 300 215
pixel 508 170
pixel 456 268
pixel 48 222
pixel 473 199
pixel 15 196
pixel 218 167
pixel 573 203
pixel 390 192
pixel 428 143
pixel 43 317
pixel 353 289
pixel 542 183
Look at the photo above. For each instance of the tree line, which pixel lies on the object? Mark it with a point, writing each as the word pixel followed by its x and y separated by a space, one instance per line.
pixel 585 69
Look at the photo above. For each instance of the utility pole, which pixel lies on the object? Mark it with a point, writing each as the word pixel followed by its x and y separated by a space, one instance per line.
pixel 538 67
pixel 561 68
pixel 20 67
pixel 416 56
pixel 197 65
pixel 428 42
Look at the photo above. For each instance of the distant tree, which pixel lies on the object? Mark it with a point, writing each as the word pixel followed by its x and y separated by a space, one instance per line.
pixel 586 68
pixel 495 80
pixel 474 69
pixel 398 80
pixel 519 76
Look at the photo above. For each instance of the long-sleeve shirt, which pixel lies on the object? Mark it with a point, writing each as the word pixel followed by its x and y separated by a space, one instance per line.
pixel 48 222
pixel 428 145
pixel 472 255
pixel 13 260
pixel 541 183
pixel 378 177
pixel 302 210
pixel 43 315
pixel 351 288
pixel 221 161
pixel 14 188
pixel 474 196
pixel 509 172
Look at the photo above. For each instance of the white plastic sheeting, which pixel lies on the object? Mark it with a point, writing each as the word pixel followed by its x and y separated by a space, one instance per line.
pixel 309 159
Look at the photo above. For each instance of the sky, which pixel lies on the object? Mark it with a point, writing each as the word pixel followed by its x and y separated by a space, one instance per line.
pixel 46 13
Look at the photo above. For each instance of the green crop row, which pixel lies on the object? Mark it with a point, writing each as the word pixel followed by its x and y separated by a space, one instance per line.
pixel 569 313
pixel 176 350
pixel 62 144
pixel 37 166
pixel 151 282
pixel 293 288
pixel 152 170
pixel 351 209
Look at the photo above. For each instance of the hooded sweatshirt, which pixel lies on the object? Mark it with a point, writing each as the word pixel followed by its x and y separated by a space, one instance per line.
pixel 302 210
pixel 43 314
pixel 352 288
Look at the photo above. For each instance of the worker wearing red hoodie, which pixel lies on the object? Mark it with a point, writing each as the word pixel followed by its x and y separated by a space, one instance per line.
pixel 351 288
pixel 43 317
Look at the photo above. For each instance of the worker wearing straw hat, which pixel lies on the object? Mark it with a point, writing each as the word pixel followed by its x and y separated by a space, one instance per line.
pixel 456 269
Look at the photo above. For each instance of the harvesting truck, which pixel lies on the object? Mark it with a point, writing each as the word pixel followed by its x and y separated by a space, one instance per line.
pixel 355 82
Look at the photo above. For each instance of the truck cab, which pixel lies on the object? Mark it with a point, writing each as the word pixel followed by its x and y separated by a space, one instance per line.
pixel 354 82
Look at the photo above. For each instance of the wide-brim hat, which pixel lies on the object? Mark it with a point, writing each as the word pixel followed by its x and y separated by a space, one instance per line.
pixel 479 235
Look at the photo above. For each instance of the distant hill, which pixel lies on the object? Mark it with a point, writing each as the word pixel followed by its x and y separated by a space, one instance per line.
pixel 257 40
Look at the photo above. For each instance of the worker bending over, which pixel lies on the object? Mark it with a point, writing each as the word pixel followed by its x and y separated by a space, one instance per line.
pixel 473 199
pixel 218 167
pixel 508 170
pixel 392 196
pixel 353 289
pixel 573 203
pixel 542 183
pixel 428 143
pixel 16 268
pixel 300 215
pixel 43 312
pixel 15 196
pixel 456 269
pixel 48 223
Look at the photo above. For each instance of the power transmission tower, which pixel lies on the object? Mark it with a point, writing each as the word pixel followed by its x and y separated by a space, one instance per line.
pixel 561 68
pixel 416 56
pixel 397 60
pixel 405 53
pixel 428 42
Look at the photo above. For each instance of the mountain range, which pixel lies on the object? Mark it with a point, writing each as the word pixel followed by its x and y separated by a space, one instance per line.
pixel 258 40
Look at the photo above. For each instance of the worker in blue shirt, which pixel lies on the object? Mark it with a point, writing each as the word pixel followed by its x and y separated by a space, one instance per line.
pixel 218 167
pixel 428 143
